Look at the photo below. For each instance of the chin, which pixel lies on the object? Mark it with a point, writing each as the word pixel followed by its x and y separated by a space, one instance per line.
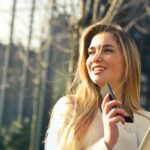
pixel 99 82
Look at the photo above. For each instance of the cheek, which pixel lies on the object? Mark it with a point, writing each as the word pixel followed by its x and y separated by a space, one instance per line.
pixel 88 63
pixel 116 64
pixel 119 67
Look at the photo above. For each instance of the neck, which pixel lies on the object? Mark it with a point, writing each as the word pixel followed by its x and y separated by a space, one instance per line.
pixel 117 91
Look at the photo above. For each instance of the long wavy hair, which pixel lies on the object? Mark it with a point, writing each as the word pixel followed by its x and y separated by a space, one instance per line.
pixel 87 94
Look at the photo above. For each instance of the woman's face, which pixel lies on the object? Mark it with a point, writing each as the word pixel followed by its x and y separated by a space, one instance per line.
pixel 105 62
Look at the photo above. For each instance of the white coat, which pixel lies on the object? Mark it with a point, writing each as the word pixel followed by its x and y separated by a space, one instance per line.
pixel 130 134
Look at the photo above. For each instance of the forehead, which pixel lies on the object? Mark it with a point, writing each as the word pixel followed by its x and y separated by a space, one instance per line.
pixel 104 38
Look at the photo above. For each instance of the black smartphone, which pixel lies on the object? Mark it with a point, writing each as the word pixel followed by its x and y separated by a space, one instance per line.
pixel 112 97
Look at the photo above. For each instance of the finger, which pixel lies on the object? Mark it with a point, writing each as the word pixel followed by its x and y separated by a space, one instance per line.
pixel 116 111
pixel 105 100
pixel 116 119
pixel 111 104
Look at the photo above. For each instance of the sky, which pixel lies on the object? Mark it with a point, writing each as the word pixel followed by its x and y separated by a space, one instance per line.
pixel 21 30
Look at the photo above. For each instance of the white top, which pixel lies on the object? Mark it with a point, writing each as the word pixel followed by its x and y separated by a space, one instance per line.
pixel 130 134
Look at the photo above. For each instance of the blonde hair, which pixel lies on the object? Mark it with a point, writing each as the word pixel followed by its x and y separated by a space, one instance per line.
pixel 87 94
pixel 131 80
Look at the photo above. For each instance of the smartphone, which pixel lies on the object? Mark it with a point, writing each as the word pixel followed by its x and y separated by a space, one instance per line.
pixel 112 97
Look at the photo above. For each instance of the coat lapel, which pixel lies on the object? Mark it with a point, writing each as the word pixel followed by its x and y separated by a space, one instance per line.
pixel 127 137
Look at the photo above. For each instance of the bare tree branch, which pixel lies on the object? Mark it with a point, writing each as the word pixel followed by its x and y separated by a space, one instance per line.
pixel 113 10
pixel 133 22
pixel 95 10
pixel 142 29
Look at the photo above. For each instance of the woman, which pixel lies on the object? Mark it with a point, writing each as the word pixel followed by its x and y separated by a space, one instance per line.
pixel 83 120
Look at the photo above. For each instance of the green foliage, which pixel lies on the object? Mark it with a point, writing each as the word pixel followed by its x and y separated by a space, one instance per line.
pixel 15 136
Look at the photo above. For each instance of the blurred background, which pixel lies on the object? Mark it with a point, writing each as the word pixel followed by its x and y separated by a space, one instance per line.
pixel 38 53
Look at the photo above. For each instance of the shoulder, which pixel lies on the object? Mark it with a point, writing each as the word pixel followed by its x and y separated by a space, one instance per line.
pixel 65 100
pixel 142 122
pixel 142 119
pixel 61 115
pixel 143 113
pixel 64 104
pixel 63 110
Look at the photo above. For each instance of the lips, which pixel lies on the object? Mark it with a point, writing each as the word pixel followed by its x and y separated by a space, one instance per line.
pixel 98 68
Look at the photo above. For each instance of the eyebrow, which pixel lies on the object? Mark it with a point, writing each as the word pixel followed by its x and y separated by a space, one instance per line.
pixel 103 46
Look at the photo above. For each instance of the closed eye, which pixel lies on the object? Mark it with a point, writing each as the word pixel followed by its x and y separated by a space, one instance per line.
pixel 91 53
pixel 108 50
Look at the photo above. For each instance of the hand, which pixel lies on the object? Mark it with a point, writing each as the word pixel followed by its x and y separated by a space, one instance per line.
pixel 111 115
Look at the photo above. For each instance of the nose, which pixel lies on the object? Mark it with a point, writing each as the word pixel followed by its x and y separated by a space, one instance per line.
pixel 98 56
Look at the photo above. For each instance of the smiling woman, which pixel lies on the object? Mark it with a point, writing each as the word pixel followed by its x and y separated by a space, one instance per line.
pixel 105 61
pixel 86 120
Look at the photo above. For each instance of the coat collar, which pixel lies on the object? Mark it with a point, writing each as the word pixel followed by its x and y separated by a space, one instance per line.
pixel 127 138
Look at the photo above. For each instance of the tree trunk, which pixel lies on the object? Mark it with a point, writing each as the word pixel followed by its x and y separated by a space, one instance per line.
pixel 4 83
pixel 24 79
pixel 44 71
pixel 25 66
pixel 36 94
pixel 42 98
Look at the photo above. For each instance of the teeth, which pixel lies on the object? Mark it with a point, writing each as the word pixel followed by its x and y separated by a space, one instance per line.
pixel 99 69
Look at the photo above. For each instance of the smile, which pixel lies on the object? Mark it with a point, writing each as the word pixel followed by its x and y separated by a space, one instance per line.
pixel 98 68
